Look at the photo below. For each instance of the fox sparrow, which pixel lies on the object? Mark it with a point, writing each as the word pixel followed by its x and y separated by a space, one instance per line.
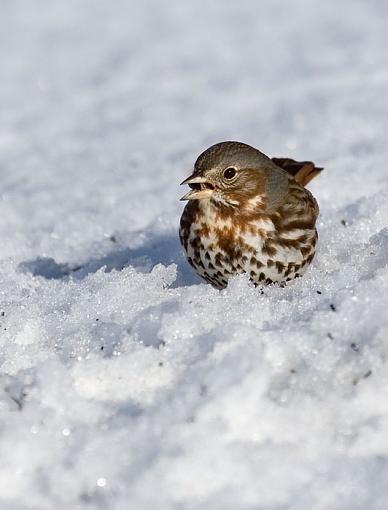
pixel 248 213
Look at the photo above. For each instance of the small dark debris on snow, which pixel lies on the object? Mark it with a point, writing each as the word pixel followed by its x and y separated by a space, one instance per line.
pixel 319 292
pixel 162 343
pixel 19 400
pixel 344 223
pixel 329 335
pixel 203 390
pixel 97 319
pixel 84 496
pixel 160 364
pixel 332 307
pixel 101 348
pixel 2 314
pixel 367 374
pixel 355 347
pixel 113 239
pixel 292 371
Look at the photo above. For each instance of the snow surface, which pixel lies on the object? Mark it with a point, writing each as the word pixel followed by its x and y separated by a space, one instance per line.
pixel 125 382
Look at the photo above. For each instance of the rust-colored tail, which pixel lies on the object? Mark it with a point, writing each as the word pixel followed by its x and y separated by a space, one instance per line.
pixel 302 171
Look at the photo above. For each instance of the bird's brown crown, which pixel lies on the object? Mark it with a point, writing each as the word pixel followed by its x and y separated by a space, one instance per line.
pixel 234 174
pixel 229 154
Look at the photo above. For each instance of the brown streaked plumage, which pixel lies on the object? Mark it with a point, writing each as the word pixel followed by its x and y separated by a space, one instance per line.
pixel 248 213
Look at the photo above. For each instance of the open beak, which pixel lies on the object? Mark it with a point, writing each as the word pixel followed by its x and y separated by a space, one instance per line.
pixel 200 188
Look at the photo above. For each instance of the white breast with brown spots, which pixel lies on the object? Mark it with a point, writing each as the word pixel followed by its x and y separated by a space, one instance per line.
pixel 221 247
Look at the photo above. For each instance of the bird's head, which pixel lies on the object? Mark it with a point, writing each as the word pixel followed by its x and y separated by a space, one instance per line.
pixel 231 174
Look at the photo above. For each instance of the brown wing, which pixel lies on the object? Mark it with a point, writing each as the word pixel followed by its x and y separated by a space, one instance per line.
pixel 302 171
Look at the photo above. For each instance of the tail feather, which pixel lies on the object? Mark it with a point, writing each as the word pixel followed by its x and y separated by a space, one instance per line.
pixel 302 171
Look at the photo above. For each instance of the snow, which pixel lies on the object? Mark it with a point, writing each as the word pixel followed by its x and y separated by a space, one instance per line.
pixel 125 382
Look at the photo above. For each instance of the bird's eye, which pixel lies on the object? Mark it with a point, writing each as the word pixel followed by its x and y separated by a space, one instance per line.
pixel 229 173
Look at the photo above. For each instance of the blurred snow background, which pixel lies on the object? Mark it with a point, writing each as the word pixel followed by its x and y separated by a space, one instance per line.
pixel 125 382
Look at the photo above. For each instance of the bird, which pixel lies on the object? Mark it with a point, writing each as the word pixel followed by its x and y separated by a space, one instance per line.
pixel 248 213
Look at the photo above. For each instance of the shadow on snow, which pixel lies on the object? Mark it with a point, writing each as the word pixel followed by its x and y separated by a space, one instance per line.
pixel 155 250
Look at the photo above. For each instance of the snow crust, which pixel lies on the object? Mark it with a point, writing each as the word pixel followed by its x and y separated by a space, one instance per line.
pixel 125 382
